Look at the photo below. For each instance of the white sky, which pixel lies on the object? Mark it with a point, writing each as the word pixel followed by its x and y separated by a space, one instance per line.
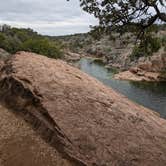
pixel 50 17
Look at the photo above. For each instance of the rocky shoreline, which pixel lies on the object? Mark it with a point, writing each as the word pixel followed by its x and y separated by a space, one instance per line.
pixel 151 70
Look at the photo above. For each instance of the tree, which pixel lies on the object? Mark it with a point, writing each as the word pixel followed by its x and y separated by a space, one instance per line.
pixel 119 14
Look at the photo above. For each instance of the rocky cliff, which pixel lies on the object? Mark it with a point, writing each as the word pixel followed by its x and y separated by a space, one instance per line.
pixel 85 121
pixel 152 69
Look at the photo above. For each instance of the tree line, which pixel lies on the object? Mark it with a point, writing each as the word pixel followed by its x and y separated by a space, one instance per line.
pixel 15 39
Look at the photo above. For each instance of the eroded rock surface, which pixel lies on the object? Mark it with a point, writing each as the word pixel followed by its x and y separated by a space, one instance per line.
pixel 20 145
pixel 153 69
pixel 85 121
pixel 71 57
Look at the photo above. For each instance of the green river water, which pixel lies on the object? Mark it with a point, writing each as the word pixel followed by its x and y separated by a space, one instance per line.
pixel 150 95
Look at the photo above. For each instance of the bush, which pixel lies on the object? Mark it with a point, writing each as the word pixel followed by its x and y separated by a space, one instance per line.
pixel 14 39
pixel 147 47
pixel 164 42
pixel 108 50
pixel 137 52
pixel 154 44
pixel 42 46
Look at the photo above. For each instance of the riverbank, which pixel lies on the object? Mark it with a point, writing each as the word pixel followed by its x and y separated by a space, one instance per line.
pixel 152 70
pixel 149 94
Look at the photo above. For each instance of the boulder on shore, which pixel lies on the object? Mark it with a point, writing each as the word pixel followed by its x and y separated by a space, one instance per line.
pixel 153 69
pixel 71 57
pixel 85 121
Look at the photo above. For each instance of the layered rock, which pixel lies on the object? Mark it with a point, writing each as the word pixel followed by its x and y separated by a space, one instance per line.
pixel 85 121
pixel 153 69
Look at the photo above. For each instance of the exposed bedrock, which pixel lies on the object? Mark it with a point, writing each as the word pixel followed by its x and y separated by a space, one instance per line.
pixel 84 120
pixel 152 70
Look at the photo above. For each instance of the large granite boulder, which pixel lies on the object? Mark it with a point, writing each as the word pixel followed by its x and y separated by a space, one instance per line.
pixel 21 146
pixel 85 121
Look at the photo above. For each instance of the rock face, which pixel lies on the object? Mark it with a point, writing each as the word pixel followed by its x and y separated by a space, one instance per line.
pixel 20 145
pixel 153 69
pixel 141 75
pixel 156 63
pixel 71 57
pixel 85 121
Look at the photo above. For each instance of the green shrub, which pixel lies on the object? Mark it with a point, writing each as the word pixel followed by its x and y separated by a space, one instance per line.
pixel 137 52
pixel 42 46
pixel 154 44
pixel 108 50
pixel 14 39
pixel 164 42
pixel 147 47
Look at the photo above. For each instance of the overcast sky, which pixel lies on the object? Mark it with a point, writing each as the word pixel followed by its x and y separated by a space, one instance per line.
pixel 51 17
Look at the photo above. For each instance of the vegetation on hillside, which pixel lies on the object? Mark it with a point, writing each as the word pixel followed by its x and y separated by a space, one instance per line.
pixel 14 39
pixel 75 42
pixel 150 43
pixel 107 45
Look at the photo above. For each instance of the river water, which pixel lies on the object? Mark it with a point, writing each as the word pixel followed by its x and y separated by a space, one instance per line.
pixel 150 95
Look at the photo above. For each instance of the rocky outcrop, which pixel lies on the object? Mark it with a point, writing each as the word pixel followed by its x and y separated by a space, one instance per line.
pixel 85 121
pixel 153 69
pixel 20 145
pixel 156 63
pixel 140 75
pixel 71 57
